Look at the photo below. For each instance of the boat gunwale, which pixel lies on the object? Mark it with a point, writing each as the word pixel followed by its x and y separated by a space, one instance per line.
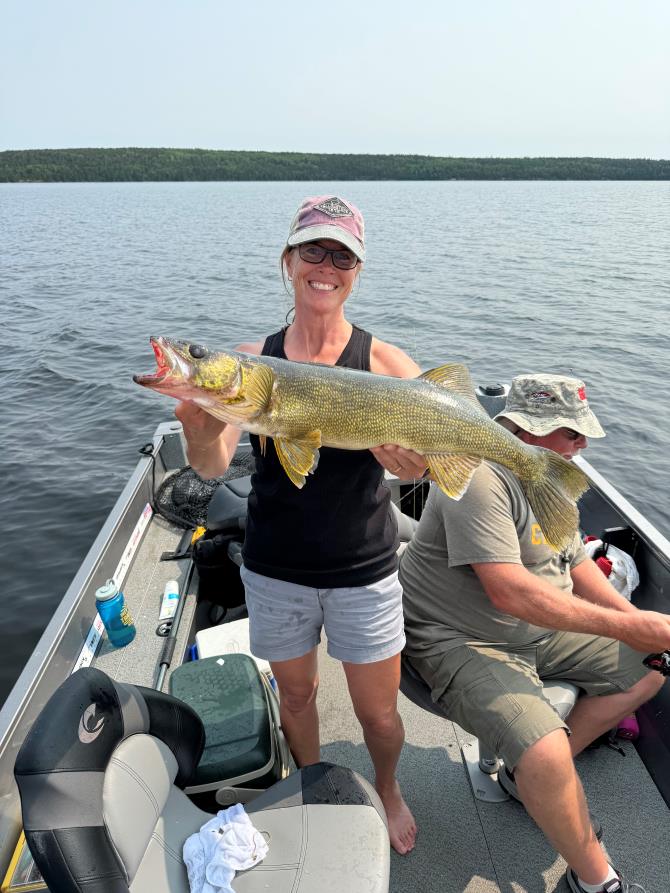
pixel 17 714
pixel 653 539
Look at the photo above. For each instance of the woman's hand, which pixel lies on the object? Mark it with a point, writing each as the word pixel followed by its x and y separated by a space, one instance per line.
pixel 210 443
pixel 405 464
pixel 200 428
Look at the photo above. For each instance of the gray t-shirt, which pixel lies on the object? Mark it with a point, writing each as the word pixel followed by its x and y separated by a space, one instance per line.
pixel 492 522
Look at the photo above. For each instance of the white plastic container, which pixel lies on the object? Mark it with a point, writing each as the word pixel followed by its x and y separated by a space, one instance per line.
pixel 169 601
pixel 228 638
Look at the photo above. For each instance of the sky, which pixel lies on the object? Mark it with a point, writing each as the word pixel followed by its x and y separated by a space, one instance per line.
pixel 430 77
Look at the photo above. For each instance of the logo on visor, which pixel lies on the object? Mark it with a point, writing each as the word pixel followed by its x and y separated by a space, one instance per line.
pixel 541 397
pixel 90 726
pixel 335 207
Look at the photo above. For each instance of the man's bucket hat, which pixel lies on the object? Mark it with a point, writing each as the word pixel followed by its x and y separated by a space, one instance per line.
pixel 542 403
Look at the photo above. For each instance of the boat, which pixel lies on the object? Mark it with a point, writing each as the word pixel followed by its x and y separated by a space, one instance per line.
pixel 466 843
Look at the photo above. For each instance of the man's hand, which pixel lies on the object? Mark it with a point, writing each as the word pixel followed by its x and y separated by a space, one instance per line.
pixel 405 464
pixel 646 631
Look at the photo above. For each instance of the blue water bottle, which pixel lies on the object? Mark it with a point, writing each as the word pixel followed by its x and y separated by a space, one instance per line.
pixel 114 614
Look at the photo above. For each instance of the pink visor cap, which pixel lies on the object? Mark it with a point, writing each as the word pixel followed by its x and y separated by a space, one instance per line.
pixel 328 217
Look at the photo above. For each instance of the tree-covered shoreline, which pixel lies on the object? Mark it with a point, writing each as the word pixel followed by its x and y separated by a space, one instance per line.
pixel 136 164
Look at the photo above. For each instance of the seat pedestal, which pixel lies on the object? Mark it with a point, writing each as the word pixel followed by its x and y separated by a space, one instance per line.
pixel 483 765
pixel 484 783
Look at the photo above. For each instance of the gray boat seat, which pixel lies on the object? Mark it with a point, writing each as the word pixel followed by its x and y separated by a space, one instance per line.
pixel 227 509
pixel 100 776
pixel 480 760
pixel 406 524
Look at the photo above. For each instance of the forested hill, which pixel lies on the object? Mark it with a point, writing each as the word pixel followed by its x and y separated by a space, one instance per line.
pixel 77 165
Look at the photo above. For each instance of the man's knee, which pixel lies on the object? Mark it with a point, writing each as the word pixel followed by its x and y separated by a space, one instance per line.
pixel 547 758
pixel 647 687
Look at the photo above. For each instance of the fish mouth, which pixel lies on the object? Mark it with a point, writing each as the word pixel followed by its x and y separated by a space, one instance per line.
pixel 171 369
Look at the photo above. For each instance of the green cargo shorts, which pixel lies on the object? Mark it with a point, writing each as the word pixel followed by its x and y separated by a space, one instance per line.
pixel 495 691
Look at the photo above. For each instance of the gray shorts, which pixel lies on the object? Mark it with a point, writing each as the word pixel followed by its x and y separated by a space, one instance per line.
pixel 363 624
pixel 495 692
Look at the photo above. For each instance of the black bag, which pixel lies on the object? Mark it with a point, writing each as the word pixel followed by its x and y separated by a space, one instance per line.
pixel 218 574
pixel 218 554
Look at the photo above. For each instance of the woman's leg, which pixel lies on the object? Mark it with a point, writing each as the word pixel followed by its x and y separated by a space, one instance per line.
pixel 298 682
pixel 374 693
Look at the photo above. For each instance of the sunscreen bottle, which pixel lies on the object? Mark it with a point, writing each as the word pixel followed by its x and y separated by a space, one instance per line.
pixel 170 600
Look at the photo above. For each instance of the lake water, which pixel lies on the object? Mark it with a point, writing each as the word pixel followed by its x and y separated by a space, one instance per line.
pixel 506 277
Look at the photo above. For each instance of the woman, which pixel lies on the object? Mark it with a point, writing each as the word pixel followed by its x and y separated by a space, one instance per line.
pixel 325 555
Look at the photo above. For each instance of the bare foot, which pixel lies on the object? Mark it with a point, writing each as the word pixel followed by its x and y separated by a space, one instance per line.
pixel 402 828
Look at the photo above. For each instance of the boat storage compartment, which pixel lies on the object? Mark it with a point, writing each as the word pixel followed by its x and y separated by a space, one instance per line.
pixel 245 750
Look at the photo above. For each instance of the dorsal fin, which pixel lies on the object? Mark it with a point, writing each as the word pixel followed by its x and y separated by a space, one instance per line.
pixel 454 377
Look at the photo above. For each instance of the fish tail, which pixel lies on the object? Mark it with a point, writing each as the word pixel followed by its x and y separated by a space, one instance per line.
pixel 553 494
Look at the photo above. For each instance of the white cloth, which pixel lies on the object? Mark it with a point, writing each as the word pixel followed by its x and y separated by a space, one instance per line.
pixel 225 844
pixel 624 576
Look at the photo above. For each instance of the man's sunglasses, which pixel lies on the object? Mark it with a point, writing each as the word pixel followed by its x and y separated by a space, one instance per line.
pixel 342 258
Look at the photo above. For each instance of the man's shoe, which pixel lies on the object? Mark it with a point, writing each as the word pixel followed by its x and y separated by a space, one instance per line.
pixel 507 783
pixel 618 885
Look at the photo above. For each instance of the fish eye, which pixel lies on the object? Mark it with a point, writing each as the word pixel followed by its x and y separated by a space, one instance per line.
pixel 197 351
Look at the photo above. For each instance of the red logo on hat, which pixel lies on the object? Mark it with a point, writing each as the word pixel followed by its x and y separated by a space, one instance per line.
pixel 581 393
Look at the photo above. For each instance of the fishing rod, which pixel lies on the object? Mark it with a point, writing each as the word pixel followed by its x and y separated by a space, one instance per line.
pixel 171 640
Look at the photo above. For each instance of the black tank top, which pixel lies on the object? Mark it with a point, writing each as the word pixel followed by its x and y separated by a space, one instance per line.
pixel 339 529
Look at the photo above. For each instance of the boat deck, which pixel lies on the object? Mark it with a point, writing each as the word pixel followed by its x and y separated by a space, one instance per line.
pixel 467 846
pixel 464 845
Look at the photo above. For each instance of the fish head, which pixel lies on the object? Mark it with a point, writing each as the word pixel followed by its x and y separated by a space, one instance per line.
pixel 191 372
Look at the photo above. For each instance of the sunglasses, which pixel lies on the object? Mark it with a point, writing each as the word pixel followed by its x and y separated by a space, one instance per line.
pixel 313 253
pixel 570 434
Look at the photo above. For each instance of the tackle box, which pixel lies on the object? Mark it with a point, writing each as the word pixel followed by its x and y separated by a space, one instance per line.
pixel 245 750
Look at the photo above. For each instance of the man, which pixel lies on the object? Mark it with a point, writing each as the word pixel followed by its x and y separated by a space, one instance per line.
pixel 490 611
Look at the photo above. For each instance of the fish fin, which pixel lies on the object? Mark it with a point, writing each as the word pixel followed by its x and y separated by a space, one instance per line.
pixel 452 472
pixel 263 440
pixel 553 496
pixel 299 456
pixel 257 393
pixel 258 383
pixel 455 377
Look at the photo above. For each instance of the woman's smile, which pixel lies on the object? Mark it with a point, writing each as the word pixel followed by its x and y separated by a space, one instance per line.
pixel 321 286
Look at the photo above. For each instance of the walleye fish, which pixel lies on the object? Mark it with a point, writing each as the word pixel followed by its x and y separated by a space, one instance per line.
pixel 303 406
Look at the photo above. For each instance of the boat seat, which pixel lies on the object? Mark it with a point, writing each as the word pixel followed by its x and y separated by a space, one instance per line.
pixel 100 776
pixel 227 509
pixel 406 524
pixel 480 761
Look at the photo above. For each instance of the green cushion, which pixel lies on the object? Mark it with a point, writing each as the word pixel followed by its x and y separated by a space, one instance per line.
pixel 229 696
